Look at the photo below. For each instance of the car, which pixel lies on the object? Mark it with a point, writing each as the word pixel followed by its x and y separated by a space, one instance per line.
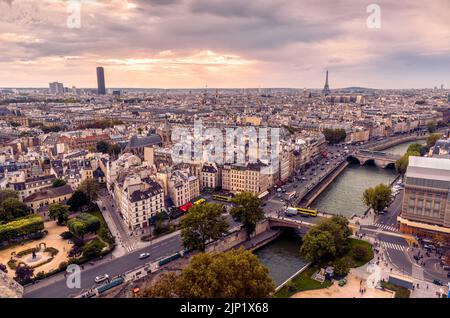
pixel 101 278
pixel 438 282
pixel 144 255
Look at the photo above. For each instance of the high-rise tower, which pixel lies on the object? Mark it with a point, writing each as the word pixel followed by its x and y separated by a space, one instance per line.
pixel 326 88
pixel 101 81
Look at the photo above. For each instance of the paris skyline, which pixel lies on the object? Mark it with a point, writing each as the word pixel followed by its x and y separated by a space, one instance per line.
pixel 189 44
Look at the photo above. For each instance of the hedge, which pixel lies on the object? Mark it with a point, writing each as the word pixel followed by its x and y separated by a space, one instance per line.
pixel 21 227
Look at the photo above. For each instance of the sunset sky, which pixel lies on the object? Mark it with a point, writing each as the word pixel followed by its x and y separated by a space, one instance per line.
pixel 225 43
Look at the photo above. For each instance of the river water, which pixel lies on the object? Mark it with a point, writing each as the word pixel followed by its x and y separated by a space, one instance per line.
pixel 282 257
pixel 343 196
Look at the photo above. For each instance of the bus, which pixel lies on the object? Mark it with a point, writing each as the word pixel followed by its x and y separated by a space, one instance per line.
pixel 199 201
pixel 222 198
pixel 302 211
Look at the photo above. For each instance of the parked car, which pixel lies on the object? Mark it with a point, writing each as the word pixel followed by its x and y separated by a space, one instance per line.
pixel 101 278
pixel 438 282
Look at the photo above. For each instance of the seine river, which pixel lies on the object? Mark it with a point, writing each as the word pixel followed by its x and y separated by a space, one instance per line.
pixel 343 196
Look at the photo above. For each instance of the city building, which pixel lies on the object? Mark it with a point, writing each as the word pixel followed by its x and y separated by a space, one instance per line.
pixel 101 87
pixel 245 178
pixel 425 208
pixel 56 88
pixel 39 201
pixel 138 199
pixel 183 187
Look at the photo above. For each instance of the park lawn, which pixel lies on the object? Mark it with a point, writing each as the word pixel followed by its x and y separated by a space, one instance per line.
pixel 350 257
pixel 400 292
pixel 302 282
pixel 103 232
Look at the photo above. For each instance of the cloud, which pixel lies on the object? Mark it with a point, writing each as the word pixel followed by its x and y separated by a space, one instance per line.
pixel 225 42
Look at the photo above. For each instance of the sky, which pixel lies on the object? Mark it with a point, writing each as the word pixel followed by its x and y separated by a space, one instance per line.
pixel 225 43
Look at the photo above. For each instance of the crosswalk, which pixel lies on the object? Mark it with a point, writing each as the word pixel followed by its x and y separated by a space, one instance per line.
pixel 394 246
pixel 386 227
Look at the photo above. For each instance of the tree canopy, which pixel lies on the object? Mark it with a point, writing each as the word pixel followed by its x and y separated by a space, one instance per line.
pixel 82 224
pixel 318 244
pixel 203 223
pixel 233 274
pixel 334 136
pixel 378 197
pixel 12 208
pixel 78 200
pixel 58 183
pixel 59 212
pixel 431 140
pixel 248 211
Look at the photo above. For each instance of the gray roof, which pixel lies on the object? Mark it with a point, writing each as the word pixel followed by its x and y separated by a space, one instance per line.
pixel 138 142
pixel 428 168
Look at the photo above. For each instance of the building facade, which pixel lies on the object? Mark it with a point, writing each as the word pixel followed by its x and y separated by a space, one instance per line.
pixel 426 202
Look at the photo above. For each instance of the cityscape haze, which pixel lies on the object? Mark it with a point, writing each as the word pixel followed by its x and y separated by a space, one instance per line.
pixel 224 149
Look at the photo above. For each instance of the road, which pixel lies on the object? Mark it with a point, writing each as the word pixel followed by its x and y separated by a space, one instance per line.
pixel 55 286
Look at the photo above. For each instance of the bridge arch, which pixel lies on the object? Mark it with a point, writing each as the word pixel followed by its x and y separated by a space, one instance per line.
pixel 353 159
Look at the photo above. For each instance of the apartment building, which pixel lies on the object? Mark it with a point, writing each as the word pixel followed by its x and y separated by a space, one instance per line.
pixel 39 201
pixel 27 186
pixel 426 201
pixel 245 178
pixel 138 199
pixel 183 187
pixel 210 177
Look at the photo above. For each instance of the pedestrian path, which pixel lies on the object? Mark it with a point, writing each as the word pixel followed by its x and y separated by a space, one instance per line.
pixel 387 227
pixel 394 246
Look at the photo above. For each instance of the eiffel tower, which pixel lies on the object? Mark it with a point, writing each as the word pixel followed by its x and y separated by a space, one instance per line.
pixel 326 88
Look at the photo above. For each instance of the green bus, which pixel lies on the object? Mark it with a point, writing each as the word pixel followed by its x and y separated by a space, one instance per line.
pixel 222 198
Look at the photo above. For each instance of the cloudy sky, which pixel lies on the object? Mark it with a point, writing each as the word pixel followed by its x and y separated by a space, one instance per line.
pixel 225 43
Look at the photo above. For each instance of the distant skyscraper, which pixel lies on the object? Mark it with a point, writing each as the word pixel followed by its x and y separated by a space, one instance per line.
pixel 101 81
pixel 326 88
pixel 56 88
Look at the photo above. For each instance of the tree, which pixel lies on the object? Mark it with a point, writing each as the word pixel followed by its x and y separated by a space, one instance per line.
pixel 78 200
pixel 6 194
pixel 114 149
pixel 431 126
pixel 334 136
pixel 164 287
pixel 203 223
pixel 82 224
pixel 317 245
pixel 340 268
pixel 24 273
pixel 360 252
pixel 92 250
pixel 401 165
pixel 58 183
pixel 431 140
pixel 59 212
pixel 233 274
pixel 90 189
pixel 248 211
pixel 12 208
pixel 102 146
pixel 378 197
pixel 337 226
pixel 415 148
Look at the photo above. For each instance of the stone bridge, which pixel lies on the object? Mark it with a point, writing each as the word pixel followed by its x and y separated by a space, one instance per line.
pixel 380 159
